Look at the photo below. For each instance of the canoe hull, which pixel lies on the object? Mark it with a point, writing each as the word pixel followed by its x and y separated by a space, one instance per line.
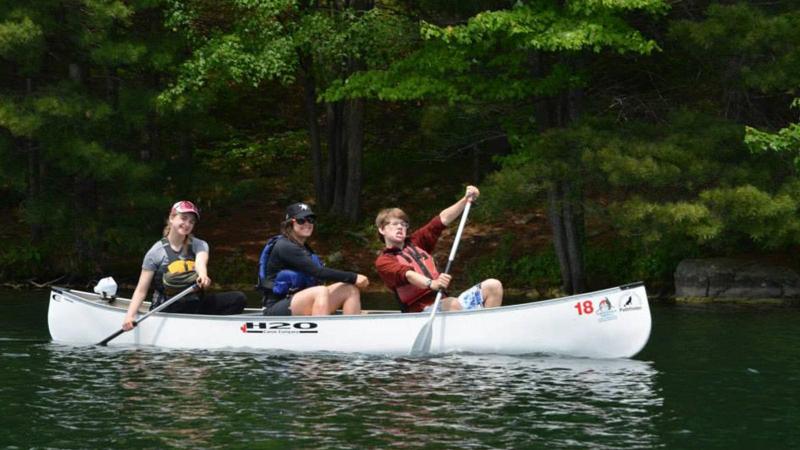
pixel 612 323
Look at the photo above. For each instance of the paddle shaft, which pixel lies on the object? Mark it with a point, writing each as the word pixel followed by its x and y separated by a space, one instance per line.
pixel 160 307
pixel 422 344
pixel 452 255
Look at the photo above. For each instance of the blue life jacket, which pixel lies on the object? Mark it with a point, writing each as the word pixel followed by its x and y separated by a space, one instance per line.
pixel 286 281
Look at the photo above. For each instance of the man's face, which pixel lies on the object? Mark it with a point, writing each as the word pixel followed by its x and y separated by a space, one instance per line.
pixel 394 231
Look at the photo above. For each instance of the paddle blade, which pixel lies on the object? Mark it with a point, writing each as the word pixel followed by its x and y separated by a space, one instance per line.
pixel 422 344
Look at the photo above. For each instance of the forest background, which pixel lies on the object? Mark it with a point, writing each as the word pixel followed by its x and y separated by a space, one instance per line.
pixel 610 138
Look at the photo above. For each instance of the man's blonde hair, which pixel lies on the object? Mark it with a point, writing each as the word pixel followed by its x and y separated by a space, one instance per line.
pixel 387 214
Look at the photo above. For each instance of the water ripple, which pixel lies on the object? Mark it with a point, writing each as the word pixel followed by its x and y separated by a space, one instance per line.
pixel 154 398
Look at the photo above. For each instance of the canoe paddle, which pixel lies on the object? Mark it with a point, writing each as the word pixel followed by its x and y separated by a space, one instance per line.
pixel 174 299
pixel 422 344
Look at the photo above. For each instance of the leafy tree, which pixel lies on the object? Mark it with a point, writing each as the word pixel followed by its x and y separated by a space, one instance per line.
pixel 77 125
pixel 785 141
pixel 310 44
pixel 535 56
pixel 661 190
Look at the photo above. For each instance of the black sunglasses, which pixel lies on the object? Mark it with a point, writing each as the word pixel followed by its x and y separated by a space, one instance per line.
pixel 303 220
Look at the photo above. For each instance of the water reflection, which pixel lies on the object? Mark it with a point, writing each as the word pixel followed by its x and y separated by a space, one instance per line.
pixel 153 398
pixel 721 379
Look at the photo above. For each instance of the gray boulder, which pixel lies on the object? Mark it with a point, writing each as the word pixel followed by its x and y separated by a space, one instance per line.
pixel 734 278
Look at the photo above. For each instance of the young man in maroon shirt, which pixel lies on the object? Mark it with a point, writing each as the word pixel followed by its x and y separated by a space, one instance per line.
pixel 407 268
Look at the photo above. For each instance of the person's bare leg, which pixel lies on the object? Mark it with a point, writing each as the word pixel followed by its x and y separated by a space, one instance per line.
pixel 313 301
pixel 492 293
pixel 345 296
pixel 450 304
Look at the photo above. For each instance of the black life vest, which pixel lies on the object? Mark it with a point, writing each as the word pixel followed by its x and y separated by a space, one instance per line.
pixel 180 272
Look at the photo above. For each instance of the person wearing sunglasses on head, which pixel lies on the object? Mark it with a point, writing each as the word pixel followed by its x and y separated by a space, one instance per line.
pixel 176 262
pixel 291 274
pixel 407 268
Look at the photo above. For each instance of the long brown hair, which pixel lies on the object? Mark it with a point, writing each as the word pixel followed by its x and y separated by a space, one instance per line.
pixel 287 229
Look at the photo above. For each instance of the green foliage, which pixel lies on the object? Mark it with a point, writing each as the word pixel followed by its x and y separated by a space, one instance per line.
pixel 744 37
pixel 254 42
pixel 490 57
pixel 234 267
pixel 655 165
pixel 785 141
pixel 245 158
pixel 20 261
pixel 771 220
pixel 719 199
pixel 670 189
pixel 607 264
pixel 76 101
pixel 510 189
pixel 18 35
pixel 623 261
pixel 537 270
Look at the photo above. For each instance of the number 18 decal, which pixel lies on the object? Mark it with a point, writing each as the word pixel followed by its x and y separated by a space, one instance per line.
pixel 584 307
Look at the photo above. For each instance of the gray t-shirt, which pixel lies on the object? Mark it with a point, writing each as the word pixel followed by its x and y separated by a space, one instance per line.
pixel 156 259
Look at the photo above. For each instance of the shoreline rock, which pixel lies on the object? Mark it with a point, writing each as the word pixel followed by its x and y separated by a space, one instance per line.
pixel 728 279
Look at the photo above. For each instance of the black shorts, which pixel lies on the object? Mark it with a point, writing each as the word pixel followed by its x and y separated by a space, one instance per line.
pixel 275 306
pixel 218 303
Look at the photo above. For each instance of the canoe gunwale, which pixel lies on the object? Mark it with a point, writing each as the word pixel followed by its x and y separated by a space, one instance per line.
pixel 102 302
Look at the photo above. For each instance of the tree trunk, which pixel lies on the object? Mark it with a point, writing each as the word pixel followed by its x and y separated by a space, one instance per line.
pixel 34 175
pixel 84 205
pixel 565 196
pixel 147 152
pixel 345 122
pixel 559 238
pixel 340 163
pixel 333 122
pixel 565 214
pixel 573 231
pixel 34 184
pixel 355 147
pixel 310 100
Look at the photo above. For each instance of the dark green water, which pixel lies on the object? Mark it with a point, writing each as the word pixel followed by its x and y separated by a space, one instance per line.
pixel 709 378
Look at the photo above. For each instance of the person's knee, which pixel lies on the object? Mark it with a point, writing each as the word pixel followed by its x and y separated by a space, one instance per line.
pixel 492 291
pixel 452 304
pixel 322 300
pixel 351 291
pixel 351 303
pixel 319 293
pixel 493 285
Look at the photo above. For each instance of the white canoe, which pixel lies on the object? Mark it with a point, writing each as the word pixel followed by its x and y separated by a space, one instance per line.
pixel 613 323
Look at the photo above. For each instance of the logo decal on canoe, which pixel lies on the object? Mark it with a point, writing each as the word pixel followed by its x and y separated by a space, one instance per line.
pixel 605 311
pixel 279 327
pixel 629 301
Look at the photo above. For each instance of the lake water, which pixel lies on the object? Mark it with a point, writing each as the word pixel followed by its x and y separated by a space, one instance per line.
pixel 709 378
